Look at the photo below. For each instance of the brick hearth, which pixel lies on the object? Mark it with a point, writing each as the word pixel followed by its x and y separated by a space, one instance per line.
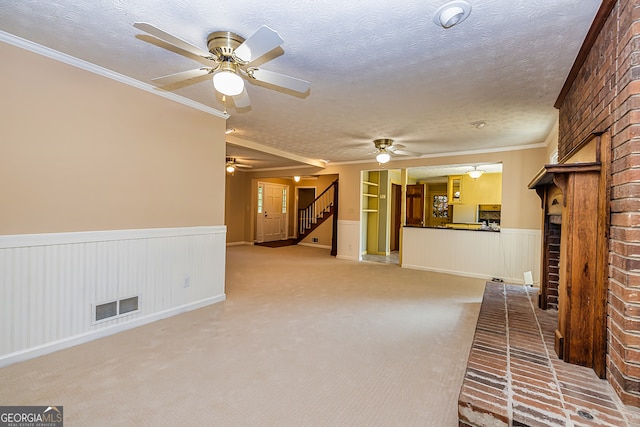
pixel 514 377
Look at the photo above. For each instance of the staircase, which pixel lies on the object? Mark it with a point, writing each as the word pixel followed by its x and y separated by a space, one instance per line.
pixel 322 208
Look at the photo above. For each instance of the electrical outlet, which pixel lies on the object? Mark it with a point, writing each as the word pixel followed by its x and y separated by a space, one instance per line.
pixel 187 282
pixel 314 239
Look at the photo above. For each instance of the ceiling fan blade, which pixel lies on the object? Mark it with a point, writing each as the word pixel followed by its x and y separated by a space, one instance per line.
pixel 242 100
pixel 262 41
pixel 405 153
pixel 183 75
pixel 287 82
pixel 171 39
pixel 242 166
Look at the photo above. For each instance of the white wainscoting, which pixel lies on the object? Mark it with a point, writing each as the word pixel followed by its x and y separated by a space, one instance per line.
pixel 50 283
pixel 348 240
pixel 483 254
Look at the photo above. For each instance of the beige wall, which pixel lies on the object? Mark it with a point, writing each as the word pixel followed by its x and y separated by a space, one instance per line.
pixel 82 152
pixel 237 209
pixel 552 143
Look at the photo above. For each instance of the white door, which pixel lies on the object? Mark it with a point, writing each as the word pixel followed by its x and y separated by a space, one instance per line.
pixel 272 221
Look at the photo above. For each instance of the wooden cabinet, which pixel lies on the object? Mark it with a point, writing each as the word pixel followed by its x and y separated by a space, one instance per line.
pixel 454 189
pixel 490 208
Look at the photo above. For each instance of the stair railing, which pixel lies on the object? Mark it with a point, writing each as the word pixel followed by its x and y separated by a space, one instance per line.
pixel 324 203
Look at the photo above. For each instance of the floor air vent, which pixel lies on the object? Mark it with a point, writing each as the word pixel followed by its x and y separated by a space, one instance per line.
pixel 106 310
pixel 128 305
pixel 112 309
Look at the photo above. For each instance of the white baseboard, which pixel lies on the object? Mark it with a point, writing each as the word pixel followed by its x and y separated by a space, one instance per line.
pixel 315 245
pixel 239 243
pixel 51 347
pixel 462 273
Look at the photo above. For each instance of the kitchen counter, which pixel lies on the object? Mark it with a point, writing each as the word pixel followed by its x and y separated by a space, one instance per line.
pixel 471 227
pixel 486 254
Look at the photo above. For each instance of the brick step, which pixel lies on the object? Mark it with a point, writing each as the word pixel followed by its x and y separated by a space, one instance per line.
pixel 514 378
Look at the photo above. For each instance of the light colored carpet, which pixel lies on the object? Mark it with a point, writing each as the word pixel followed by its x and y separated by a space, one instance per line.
pixel 303 339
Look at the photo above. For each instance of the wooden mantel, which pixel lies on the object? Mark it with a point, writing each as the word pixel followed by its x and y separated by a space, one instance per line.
pixel 581 336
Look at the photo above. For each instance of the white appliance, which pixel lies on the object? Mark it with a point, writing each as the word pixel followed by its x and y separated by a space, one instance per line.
pixel 465 214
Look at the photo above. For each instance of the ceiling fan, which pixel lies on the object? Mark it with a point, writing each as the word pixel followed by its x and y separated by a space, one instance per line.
pixel 231 56
pixel 385 148
pixel 232 164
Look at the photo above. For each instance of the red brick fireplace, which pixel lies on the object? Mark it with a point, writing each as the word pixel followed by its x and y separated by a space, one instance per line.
pixel 602 95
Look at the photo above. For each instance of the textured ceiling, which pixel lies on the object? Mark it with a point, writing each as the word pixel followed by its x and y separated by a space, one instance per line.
pixel 377 68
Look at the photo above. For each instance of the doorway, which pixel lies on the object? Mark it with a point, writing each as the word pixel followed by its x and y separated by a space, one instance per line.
pixel 272 220
pixel 415 205
pixel 381 216
pixel 304 197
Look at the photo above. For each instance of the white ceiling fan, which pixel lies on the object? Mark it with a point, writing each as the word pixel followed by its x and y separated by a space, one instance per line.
pixel 232 165
pixel 231 56
pixel 385 148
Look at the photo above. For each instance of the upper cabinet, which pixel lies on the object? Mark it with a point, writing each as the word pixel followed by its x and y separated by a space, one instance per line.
pixel 454 188
pixel 464 190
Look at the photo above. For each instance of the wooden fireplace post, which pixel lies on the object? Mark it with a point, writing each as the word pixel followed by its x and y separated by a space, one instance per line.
pixel 581 336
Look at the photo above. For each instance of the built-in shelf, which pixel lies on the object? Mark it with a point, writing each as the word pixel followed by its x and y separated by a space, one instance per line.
pixel 369 210
pixel 374 184
pixel 370 195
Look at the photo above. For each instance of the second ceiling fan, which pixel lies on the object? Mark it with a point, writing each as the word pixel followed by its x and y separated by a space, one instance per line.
pixel 231 56
pixel 385 148
pixel 233 164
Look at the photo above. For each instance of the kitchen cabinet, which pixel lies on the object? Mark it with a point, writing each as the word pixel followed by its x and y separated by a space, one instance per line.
pixel 454 188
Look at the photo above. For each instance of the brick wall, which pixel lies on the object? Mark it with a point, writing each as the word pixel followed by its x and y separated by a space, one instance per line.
pixel 606 97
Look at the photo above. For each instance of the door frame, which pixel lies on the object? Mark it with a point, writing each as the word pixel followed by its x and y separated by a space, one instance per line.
pixel 396 217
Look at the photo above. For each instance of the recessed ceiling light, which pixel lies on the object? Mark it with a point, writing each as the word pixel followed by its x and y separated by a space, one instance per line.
pixel 479 124
pixel 452 13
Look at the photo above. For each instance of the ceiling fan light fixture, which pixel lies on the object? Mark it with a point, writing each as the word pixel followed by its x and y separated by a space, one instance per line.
pixel 383 157
pixel 296 178
pixel 452 13
pixel 227 81
pixel 230 169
